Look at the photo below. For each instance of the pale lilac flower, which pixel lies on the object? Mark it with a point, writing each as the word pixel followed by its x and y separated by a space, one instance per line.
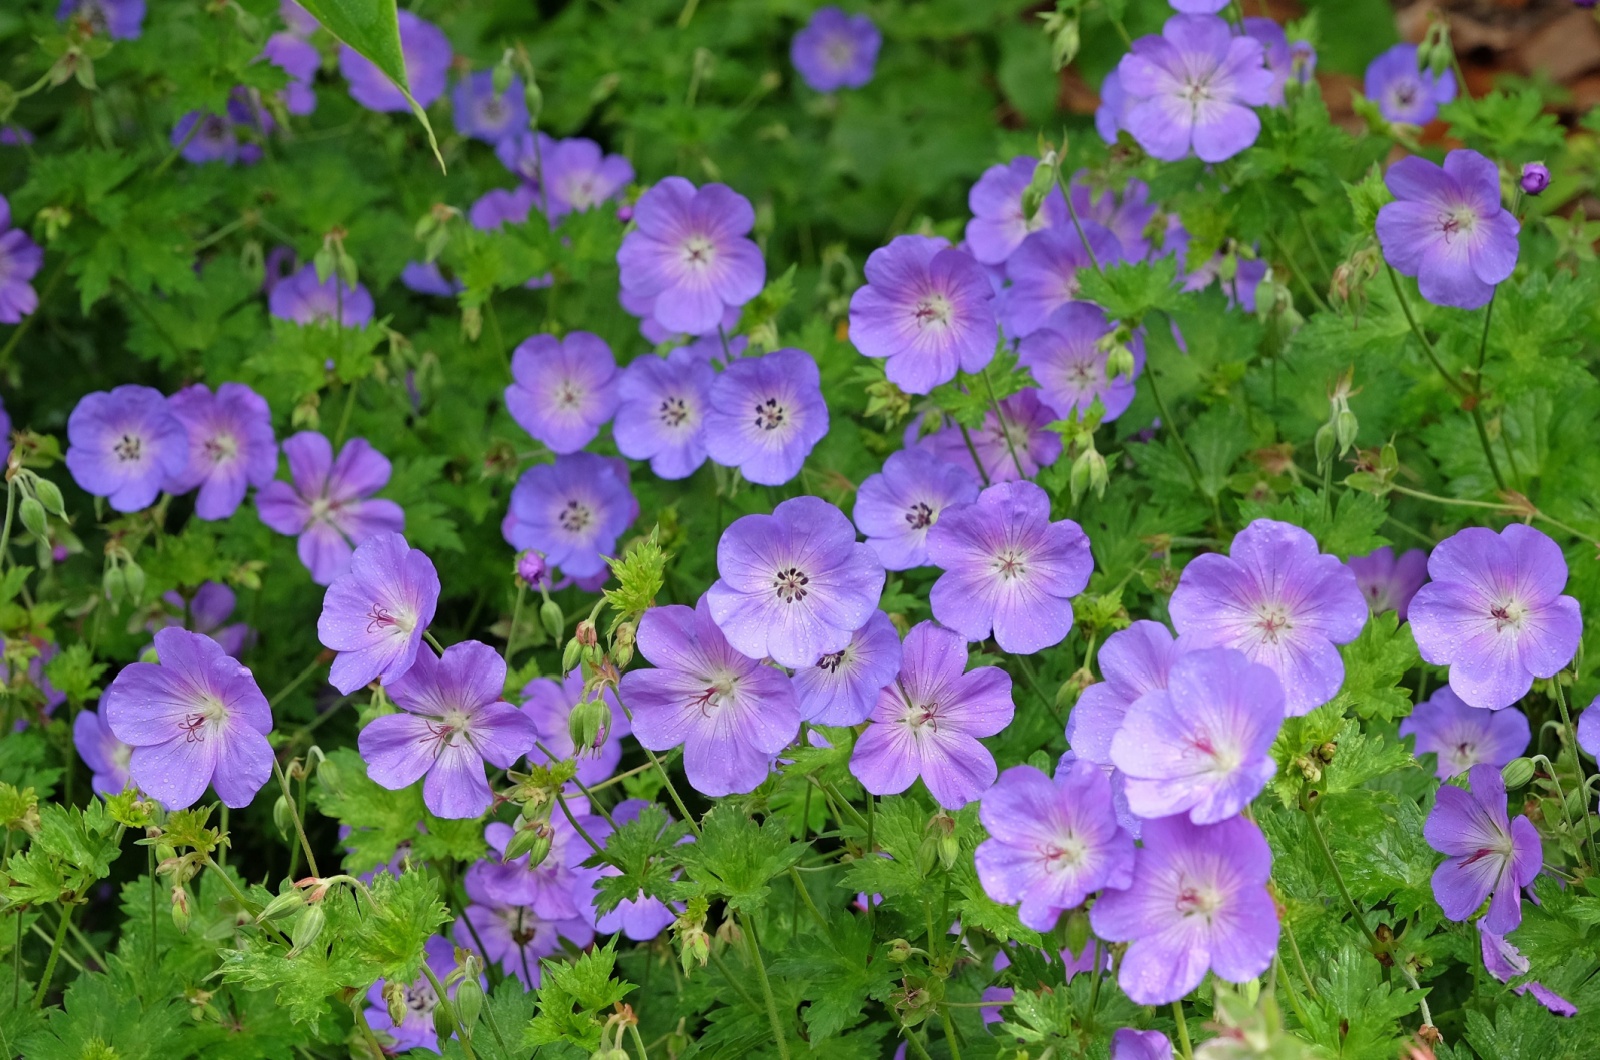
pixel 640 918
pixel 231 446
pixel 502 206
pixel 1126 215
pixel 767 413
pixel 1464 736
pixel 1589 729
pixel 329 503
pixel 207 137
pixel 1051 843
pixel 195 718
pixel 483 113
pixel 1044 273
pixel 118 19
pixel 1199 902
pixel 927 308
pixel 836 50
pixel 842 687
pixel 375 613
pixel 928 722
pixel 125 445
pixel 661 412
pixel 1447 228
pixel 1129 1044
pixel 1489 855
pixel 1281 602
pixel 897 507
pixel 1111 116
pixel 1133 661
pixel 514 936
pixel 564 389
pixel 998 225
pixel 794 585
pixel 106 756
pixel 1008 569
pixel 426 51
pixel 1013 444
pixel 1191 89
pixel 304 299
pixel 1389 582
pixel 1494 613
pixel 1275 52
pixel 715 338
pixel 548 704
pixel 573 511
pixel 1198 7
pixel 425 277
pixel 20 258
pixel 206 612
pixel 578 176
pixel 549 887
pixel 1403 90
pixel 690 252
pixel 300 60
pixel 415 1030
pixel 1065 359
pixel 521 153
pixel 1505 962
pixel 731 714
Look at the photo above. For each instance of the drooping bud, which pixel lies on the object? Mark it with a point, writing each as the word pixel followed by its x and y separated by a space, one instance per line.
pixel 307 928
pixel 282 907
pixel 532 568
pixel 1044 178
pixel 622 642
pixel 552 618
pixel 444 1019
pixel 588 725
pixel 394 998
pixel 570 655
pixel 180 909
pixel 1535 178
pixel 469 1003
pixel 1517 773
pixel 533 840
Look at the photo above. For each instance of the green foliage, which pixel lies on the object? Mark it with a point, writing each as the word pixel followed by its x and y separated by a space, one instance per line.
pixel 572 999
pixel 734 858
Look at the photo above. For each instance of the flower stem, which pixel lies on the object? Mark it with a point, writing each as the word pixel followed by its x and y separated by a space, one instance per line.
pixel 431 639
pixel 779 1039
pixel 294 683
pixel 1000 421
pixel 294 812
pixel 5 534
pixel 1577 759
pixel 1416 329
pixel 950 1034
pixel 1183 1031
pixel 811 906
pixel 561 800
pixel 462 1034
pixel 1338 877
pixel 55 954
pixel 1189 462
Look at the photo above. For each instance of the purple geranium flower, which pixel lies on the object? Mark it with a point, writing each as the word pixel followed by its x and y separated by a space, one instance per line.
pixel 1051 843
pixel 455 720
pixel 300 60
pixel 1192 89
pixel 836 50
pixel 1008 569
pixel 1198 7
pixel 304 299
pixel 1126 215
pixel 106 756
pixel 415 1029
pixel 1065 359
pixel 928 309
pixel 206 612
pixel 485 114
pixel 375 613
pixel 329 503
pixel 1488 854
pixel 1494 613
pixel 1012 445
pixel 1199 901
pixel 1133 661
pixel 1447 228
pixel 1129 1044
pixel 231 446
pixel 897 507
pixel 661 412
pixel 514 936
pixel 731 714
pixel 522 152
pixel 1275 51
pixel 1044 273
pixel 195 718
pixel 548 703
pixel 1388 582
pixel 1281 602
pixel 1505 962
pixel 767 413
pixel 573 511
pixel 928 722
pixel 20 258
pixel 424 277
pixel 1464 736
pixel 125 445
pixel 579 176
pixel 118 19
pixel 688 250
pixel 1201 745
pixel 640 918
pixel 502 206
pixel 563 389
pixel 548 887
pixel 796 584
pixel 998 226
pixel 207 137
pixel 426 51
pixel 1404 91
pixel 715 338
pixel 842 687
pixel 1589 729
pixel 1111 116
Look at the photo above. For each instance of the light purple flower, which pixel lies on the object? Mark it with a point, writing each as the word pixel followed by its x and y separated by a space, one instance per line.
pixel 217 137
pixel 644 308
pixel 195 718
pixel 522 152
pixel 1405 92
pixel 1051 843
pixel 998 225
pixel 836 50
pixel 1241 290
pixel 514 936
pixel 548 888
pixel 1012 445
pixel 1191 89
pixel 300 60
pixel 928 722
pixel 502 206
pixel 1535 178
pixel 1008 569
pixel 424 277
pixel 1065 359
pixel 640 918
pixel 484 114
pixel 573 511
pixel 20 258
pixel 578 176
pixel 1133 661
pixel 1464 736
pixel 118 19
pixel 1125 215
pixel 688 250
pixel 415 1030
pixel 548 705
pixel 1488 855
pixel 1494 613
pixel 1505 962
pixel 206 612
pixel 1129 1044
pixel 661 412
pixel 1199 902
pixel 1275 51
pixel 767 413
pixel 106 756
pixel 426 51
pixel 1111 116
pixel 1044 273
pixel 125 445
pixel 231 446
pixel 1388 582
pixel 1281 602
pixel 304 299
pixel 1198 7
pixel 927 308
pixel 842 687
pixel 454 721
pixel 564 389
pixel 896 507
pixel 375 613
pixel 1447 228
pixel 1589 729
pixel 796 584
pixel 329 503
pixel 731 714
pixel 1202 744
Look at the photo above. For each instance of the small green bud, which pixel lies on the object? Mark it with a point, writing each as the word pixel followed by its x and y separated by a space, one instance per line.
pixel 1077 931
pixel 394 998
pixel 307 928
pixel 282 907
pixel 114 584
pixel 1346 425
pixel 532 840
pixel 49 495
pixel 180 910
pixel 1517 773
pixel 469 1004
pixel 534 98
pixel 444 1019
pixel 33 517
pixel 589 724
pixel 282 817
pixel 570 655
pixel 622 644
pixel 1119 362
pixel 1044 178
pixel 552 618
pixel 1324 444
pixel 900 951
pixel 133 575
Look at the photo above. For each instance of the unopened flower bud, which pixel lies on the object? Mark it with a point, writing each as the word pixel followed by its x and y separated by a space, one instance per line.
pixel 444 1019
pixel 281 816
pixel 1535 178
pixel 307 928
pixel 570 655
pixel 1119 362
pixel 900 951
pixel 622 644
pixel 1517 773
pixel 285 905
pixel 394 998
pixel 586 634
pixel 531 567
pixel 588 725
pixel 552 618
pixel 180 910
pixel 1324 444
pixel 943 826
pixel 33 517
pixel 533 840
pixel 469 1003
pixel 1077 936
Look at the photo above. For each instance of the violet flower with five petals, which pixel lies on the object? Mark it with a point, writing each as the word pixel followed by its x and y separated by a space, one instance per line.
pixel 231 446
pixel 1463 736
pixel 125 445
pixel 836 50
pixel 767 413
pixel 897 507
pixel 375 613
pixel 1447 228
pixel 998 224
pixel 690 252
pixel 329 502
pixel 1489 855
pixel 563 390
pixel 573 511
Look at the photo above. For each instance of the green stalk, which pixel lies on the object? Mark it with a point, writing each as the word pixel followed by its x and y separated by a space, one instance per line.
pixel 779 1038
pixel 1338 877
pixel 1183 1031
pixel 55 954
pixel 1577 759
pixel 294 812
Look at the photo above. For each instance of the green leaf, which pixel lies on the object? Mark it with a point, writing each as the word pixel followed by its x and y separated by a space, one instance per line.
pixel 1130 291
pixel 1374 664
pixel 734 857
pixel 1355 1012
pixel 573 998
pixel 838 974
pixel 638 848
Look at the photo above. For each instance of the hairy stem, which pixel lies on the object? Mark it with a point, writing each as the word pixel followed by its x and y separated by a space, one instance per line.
pixel 779 1038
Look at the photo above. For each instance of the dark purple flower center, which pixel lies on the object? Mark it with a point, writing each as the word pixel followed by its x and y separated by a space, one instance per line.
pixel 129 447
pixel 920 515
pixel 832 661
pixel 421 999
pixel 1082 375
pixel 1404 94
pixel 674 411
pixel 791 583
pixel 1197 89
pixel 770 415
pixel 493 111
pixel 575 517
pixel 1010 563
pixel 1508 614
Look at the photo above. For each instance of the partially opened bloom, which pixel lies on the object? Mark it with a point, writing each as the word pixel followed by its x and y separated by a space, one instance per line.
pixel 483 113
pixel 1008 570
pixel 842 687
pixel 426 52
pixel 1281 602
pixel 375 613
pixel 1489 855
pixel 661 412
pixel 690 252
pixel 731 714
pixel 548 704
pixel 1494 613
pixel 1199 902
pixel 125 445
pixel 231 445
pixel 1051 843
pixel 118 19
pixel 328 503
pixel 514 936
pixel 836 50
pixel 1065 359
pixel 1447 228
pixel 563 390
pixel 999 224
pixel 1202 745
pixel 1463 736
pixel 796 584
pixel 20 258
pixel 106 756
pixel 1191 89
pixel 896 507
pixel 927 308
pixel 577 176
pixel 767 413
pixel 1133 661
pixel 193 719
pixel 1044 273
pixel 1505 962
pixel 1389 581
pixel 573 511
pixel 207 612
pixel 928 722
pixel 640 918
pixel 1403 90
pixel 454 720
pixel 416 1027
pixel 304 299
